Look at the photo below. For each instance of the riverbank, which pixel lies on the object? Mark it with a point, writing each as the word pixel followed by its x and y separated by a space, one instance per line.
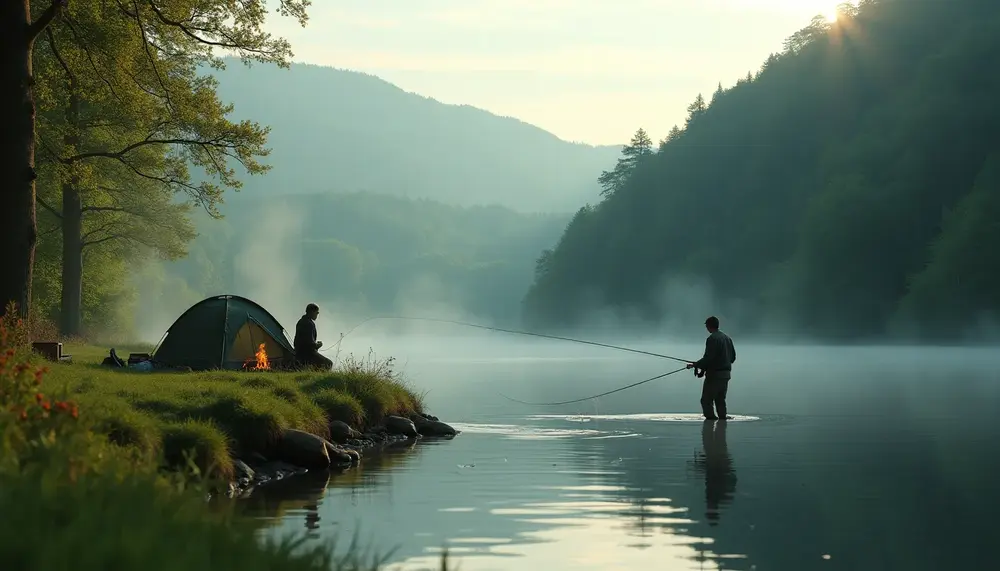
pixel 68 483
pixel 246 428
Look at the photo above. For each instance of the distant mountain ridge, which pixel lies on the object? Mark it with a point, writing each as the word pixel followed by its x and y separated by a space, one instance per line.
pixel 334 130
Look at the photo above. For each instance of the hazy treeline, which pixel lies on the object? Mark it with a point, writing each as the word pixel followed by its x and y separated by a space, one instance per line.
pixel 849 189
pixel 357 254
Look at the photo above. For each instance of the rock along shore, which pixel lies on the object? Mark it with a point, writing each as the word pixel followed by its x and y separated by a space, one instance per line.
pixel 298 452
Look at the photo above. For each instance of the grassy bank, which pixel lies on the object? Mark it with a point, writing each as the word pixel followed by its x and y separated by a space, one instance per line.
pixel 65 485
pixel 219 414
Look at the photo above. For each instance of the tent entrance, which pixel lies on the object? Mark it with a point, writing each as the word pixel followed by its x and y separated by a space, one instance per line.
pixel 248 340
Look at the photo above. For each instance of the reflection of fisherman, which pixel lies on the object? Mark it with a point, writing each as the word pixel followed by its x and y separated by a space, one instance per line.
pixel 312 516
pixel 720 477
pixel 717 364
pixel 306 345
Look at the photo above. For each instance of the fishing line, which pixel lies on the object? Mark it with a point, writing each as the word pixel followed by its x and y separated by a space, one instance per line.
pixel 594 396
pixel 542 335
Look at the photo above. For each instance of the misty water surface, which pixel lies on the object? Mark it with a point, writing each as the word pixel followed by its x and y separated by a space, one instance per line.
pixel 849 458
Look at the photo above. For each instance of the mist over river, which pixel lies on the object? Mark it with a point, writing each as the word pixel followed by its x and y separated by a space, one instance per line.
pixel 838 458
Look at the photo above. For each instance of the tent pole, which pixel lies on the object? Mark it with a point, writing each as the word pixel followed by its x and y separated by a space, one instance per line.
pixel 250 332
pixel 157 346
pixel 225 335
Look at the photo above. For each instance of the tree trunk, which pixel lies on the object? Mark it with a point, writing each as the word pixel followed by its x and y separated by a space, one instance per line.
pixel 71 307
pixel 18 230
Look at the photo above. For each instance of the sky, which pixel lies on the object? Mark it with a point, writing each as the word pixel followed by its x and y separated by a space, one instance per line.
pixel 590 71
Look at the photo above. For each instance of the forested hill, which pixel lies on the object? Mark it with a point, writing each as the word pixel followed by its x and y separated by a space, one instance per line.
pixel 848 190
pixel 333 128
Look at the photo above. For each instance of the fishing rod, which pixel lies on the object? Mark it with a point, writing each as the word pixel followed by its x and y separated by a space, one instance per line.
pixel 500 329
pixel 594 396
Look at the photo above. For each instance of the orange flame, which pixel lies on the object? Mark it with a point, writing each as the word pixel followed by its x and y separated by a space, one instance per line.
pixel 260 362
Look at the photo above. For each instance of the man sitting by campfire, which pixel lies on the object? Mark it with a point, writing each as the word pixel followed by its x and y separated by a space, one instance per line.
pixel 306 345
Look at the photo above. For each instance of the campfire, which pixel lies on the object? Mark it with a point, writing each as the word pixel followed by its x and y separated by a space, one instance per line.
pixel 259 361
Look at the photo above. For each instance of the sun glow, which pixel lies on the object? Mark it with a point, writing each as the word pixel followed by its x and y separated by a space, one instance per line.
pixel 828 9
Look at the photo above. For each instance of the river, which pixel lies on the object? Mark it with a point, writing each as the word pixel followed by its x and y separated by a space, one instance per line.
pixel 838 458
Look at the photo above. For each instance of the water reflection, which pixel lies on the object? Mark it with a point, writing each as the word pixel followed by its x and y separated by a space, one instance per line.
pixel 828 493
pixel 717 466
pixel 292 499
pixel 828 482
pixel 541 492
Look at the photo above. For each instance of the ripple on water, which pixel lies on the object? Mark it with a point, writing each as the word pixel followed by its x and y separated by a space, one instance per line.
pixel 539 432
pixel 651 417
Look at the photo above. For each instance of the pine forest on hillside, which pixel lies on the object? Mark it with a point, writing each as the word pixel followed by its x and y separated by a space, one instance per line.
pixel 850 189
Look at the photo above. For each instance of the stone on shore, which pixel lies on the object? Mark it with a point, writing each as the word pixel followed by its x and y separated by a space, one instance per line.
pixel 298 452
pixel 303 449
pixel 428 427
pixel 341 432
pixel 400 425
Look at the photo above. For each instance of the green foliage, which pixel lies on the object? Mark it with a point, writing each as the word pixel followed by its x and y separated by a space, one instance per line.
pixel 124 114
pixel 338 405
pixel 22 331
pixel 957 287
pixel 373 383
pixel 810 195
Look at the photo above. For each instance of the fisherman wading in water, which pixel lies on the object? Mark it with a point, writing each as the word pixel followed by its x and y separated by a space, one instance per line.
pixel 717 365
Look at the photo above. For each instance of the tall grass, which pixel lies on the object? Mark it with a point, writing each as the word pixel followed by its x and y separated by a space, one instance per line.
pixel 224 413
pixel 74 499
pixel 218 414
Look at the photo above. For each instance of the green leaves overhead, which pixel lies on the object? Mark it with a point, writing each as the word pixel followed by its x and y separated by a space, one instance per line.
pixel 131 131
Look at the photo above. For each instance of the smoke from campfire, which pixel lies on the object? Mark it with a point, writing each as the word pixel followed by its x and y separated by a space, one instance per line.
pixel 259 362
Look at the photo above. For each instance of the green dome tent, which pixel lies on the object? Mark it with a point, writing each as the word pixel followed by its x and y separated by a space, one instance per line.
pixel 223 332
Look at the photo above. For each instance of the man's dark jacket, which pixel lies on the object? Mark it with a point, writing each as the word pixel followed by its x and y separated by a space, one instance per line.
pixel 720 354
pixel 305 336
